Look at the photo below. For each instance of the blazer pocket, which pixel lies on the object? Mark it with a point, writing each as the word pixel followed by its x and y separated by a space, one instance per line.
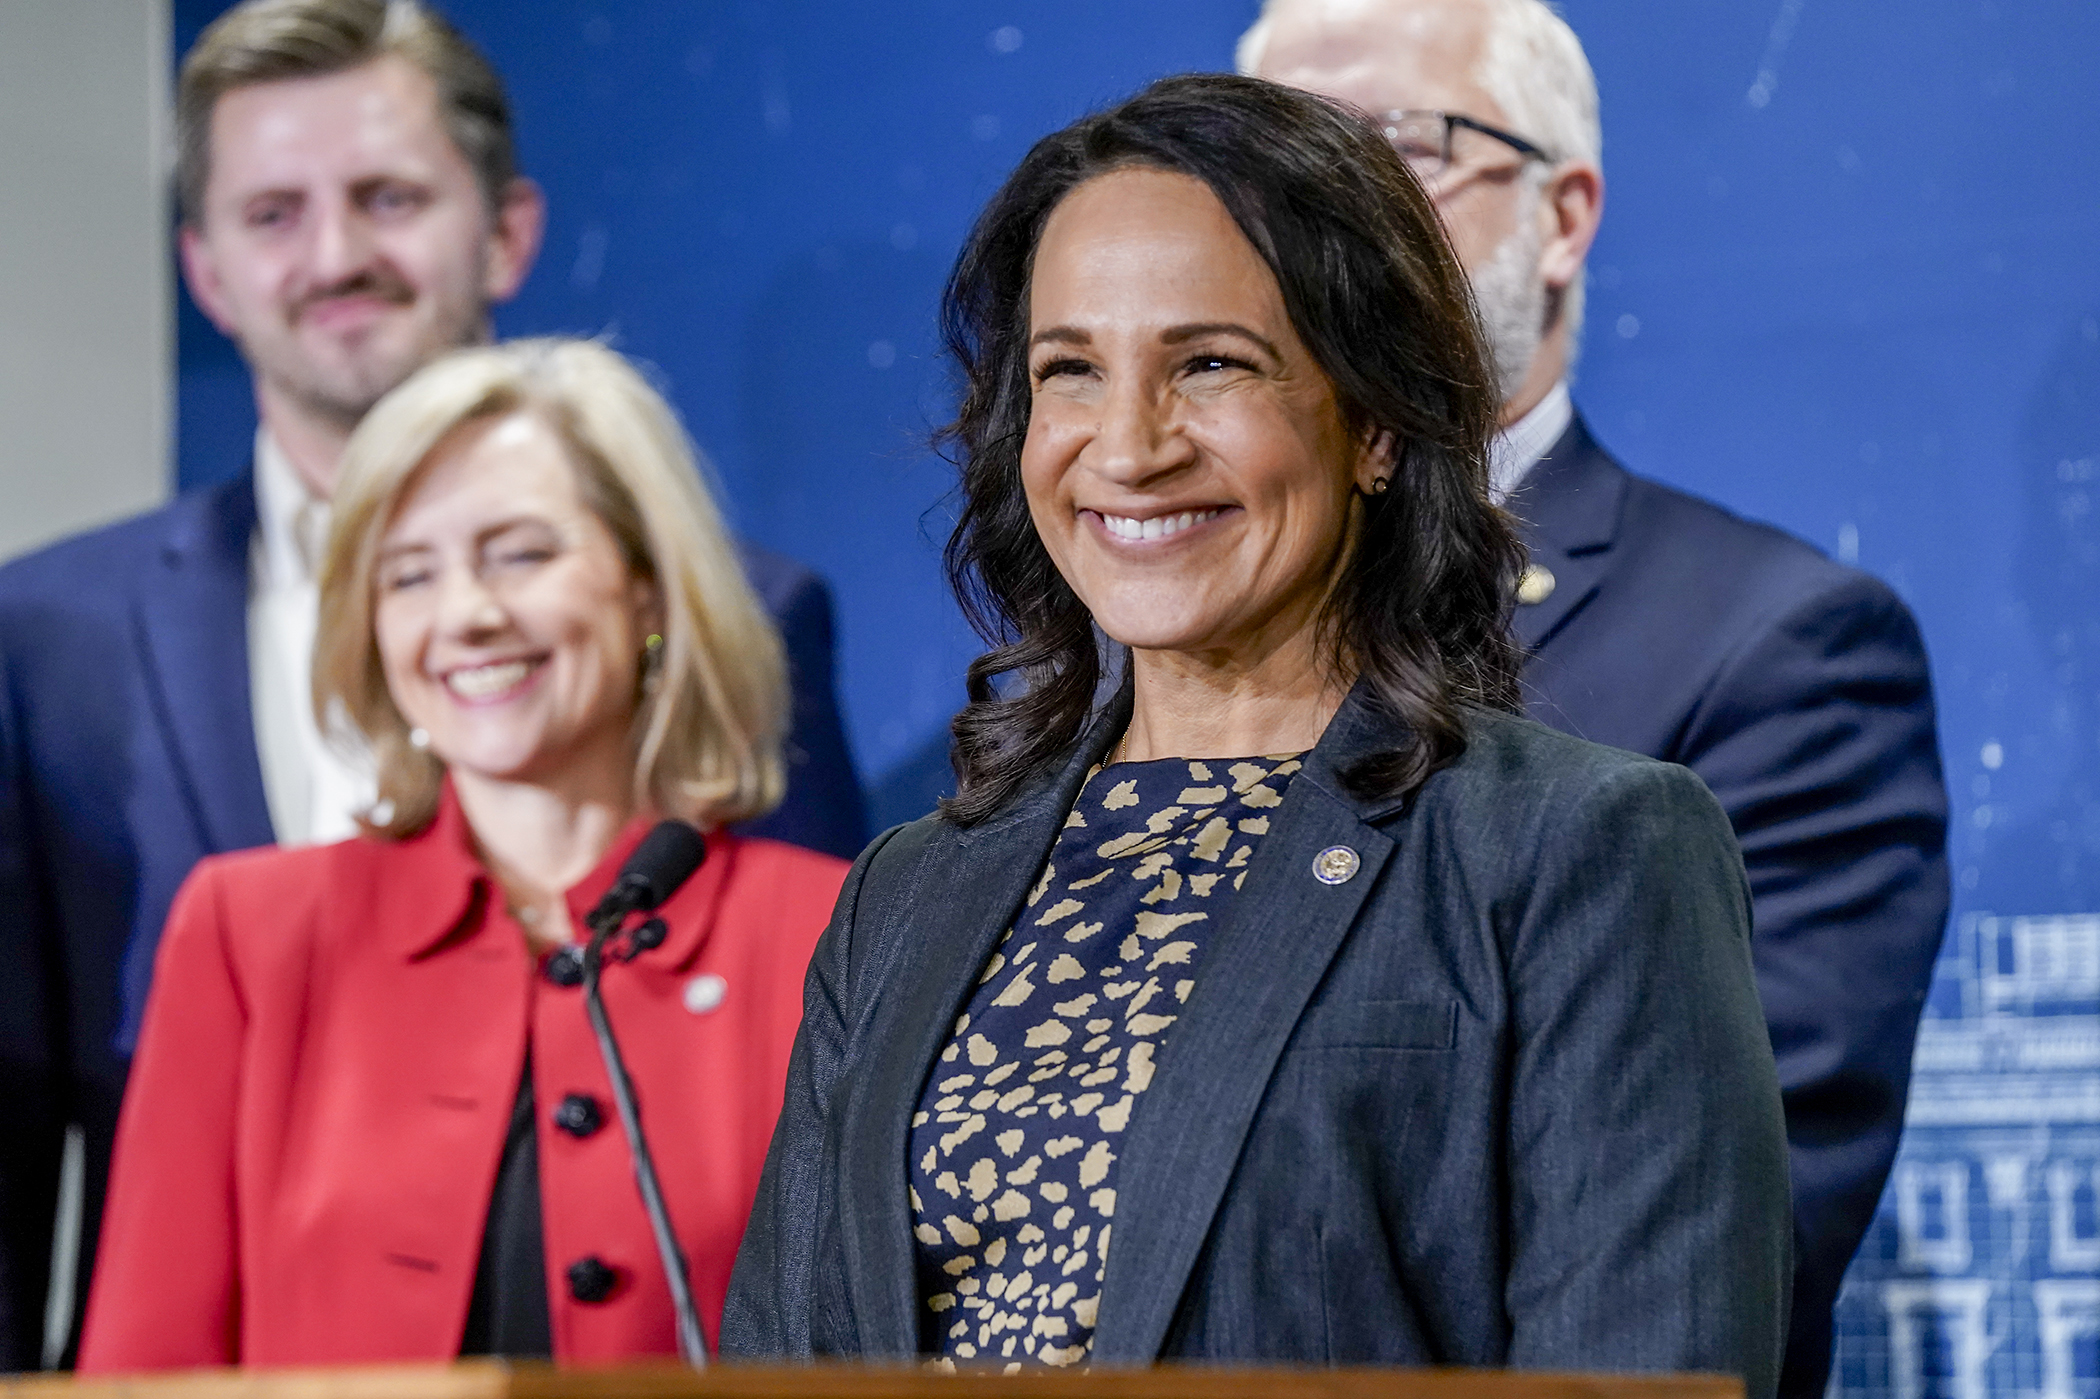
pixel 1381 1025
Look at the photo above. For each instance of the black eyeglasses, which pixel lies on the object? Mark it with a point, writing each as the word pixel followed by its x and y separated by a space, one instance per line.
pixel 1433 142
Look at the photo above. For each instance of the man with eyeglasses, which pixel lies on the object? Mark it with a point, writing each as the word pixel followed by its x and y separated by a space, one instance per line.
pixel 1659 622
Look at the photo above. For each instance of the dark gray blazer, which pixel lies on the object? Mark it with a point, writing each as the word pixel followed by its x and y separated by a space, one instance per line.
pixel 1504 1097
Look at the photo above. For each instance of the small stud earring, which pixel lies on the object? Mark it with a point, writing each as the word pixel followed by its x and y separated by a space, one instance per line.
pixel 419 739
pixel 1380 485
pixel 652 663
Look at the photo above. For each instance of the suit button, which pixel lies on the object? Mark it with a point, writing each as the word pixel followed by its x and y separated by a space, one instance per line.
pixel 590 1280
pixel 579 1115
pixel 565 966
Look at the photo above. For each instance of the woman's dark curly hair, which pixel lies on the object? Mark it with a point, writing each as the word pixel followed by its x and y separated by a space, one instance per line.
pixel 1421 611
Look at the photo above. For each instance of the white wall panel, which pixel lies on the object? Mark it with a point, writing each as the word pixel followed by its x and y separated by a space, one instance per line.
pixel 85 309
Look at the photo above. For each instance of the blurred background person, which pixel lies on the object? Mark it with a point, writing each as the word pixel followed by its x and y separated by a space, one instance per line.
pixel 1656 621
pixel 368 1119
pixel 351 207
pixel 1372 1022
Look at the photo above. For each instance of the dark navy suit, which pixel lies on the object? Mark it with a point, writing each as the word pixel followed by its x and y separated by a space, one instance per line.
pixel 127 754
pixel 1797 688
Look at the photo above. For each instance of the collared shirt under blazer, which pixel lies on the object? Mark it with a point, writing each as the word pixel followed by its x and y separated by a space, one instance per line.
pixel 326 1074
pixel 1497 1092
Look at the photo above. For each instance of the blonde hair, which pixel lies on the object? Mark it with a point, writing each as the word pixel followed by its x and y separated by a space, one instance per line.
pixel 264 41
pixel 708 730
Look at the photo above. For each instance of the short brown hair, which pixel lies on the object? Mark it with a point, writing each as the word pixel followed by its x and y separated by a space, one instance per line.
pixel 264 41
pixel 708 731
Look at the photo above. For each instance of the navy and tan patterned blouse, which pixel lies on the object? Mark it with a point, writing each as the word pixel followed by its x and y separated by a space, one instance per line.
pixel 1014 1146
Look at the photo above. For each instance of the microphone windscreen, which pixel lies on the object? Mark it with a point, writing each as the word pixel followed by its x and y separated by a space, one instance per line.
pixel 665 859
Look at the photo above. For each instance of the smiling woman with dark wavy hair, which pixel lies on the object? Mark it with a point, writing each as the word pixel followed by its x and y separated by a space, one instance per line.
pixel 1366 284
pixel 1366 1020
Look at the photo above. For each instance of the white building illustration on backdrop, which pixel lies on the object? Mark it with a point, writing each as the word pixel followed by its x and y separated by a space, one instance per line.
pixel 1980 1278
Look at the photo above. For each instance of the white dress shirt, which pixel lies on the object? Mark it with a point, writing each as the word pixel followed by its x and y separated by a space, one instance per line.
pixel 315 789
pixel 1518 447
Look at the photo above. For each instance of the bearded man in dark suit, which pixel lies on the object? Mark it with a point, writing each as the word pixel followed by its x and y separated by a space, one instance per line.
pixel 1659 622
pixel 351 209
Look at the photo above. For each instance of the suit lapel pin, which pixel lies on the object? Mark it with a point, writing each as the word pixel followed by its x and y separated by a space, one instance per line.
pixel 1337 864
pixel 1535 586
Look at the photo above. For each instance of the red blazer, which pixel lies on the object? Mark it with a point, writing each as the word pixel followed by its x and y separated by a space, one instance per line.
pixel 325 1079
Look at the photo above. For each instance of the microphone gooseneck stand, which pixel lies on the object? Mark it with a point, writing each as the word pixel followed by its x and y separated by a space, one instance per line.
pixel 637 892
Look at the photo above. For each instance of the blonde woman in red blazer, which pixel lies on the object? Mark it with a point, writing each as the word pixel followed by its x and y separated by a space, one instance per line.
pixel 368 1120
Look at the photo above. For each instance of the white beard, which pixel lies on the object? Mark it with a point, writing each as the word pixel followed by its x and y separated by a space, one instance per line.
pixel 1512 300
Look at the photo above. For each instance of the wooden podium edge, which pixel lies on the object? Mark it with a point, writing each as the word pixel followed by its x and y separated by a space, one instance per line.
pixel 486 1379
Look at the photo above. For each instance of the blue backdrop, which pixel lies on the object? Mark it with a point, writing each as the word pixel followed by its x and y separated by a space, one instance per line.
pixel 1847 283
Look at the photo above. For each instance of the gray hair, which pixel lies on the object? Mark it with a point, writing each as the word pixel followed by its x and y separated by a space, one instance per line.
pixel 1532 64
pixel 1534 67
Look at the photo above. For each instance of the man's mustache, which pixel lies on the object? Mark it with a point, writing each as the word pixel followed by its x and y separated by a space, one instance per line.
pixel 369 283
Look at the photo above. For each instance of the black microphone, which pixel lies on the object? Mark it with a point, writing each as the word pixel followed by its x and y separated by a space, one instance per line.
pixel 664 860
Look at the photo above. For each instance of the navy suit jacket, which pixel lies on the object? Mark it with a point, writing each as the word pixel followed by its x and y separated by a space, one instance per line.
pixel 1798 689
pixel 127 754
pixel 1502 1097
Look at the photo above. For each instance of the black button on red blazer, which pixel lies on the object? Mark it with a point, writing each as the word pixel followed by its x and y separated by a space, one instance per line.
pixel 590 1280
pixel 325 1079
pixel 579 1115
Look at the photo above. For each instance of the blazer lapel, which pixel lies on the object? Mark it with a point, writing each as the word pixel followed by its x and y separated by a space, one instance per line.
pixel 192 621
pixel 1567 511
pixel 965 895
pixel 1262 967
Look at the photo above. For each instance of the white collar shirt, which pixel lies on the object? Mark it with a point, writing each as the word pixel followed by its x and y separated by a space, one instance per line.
pixel 315 788
pixel 1520 446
